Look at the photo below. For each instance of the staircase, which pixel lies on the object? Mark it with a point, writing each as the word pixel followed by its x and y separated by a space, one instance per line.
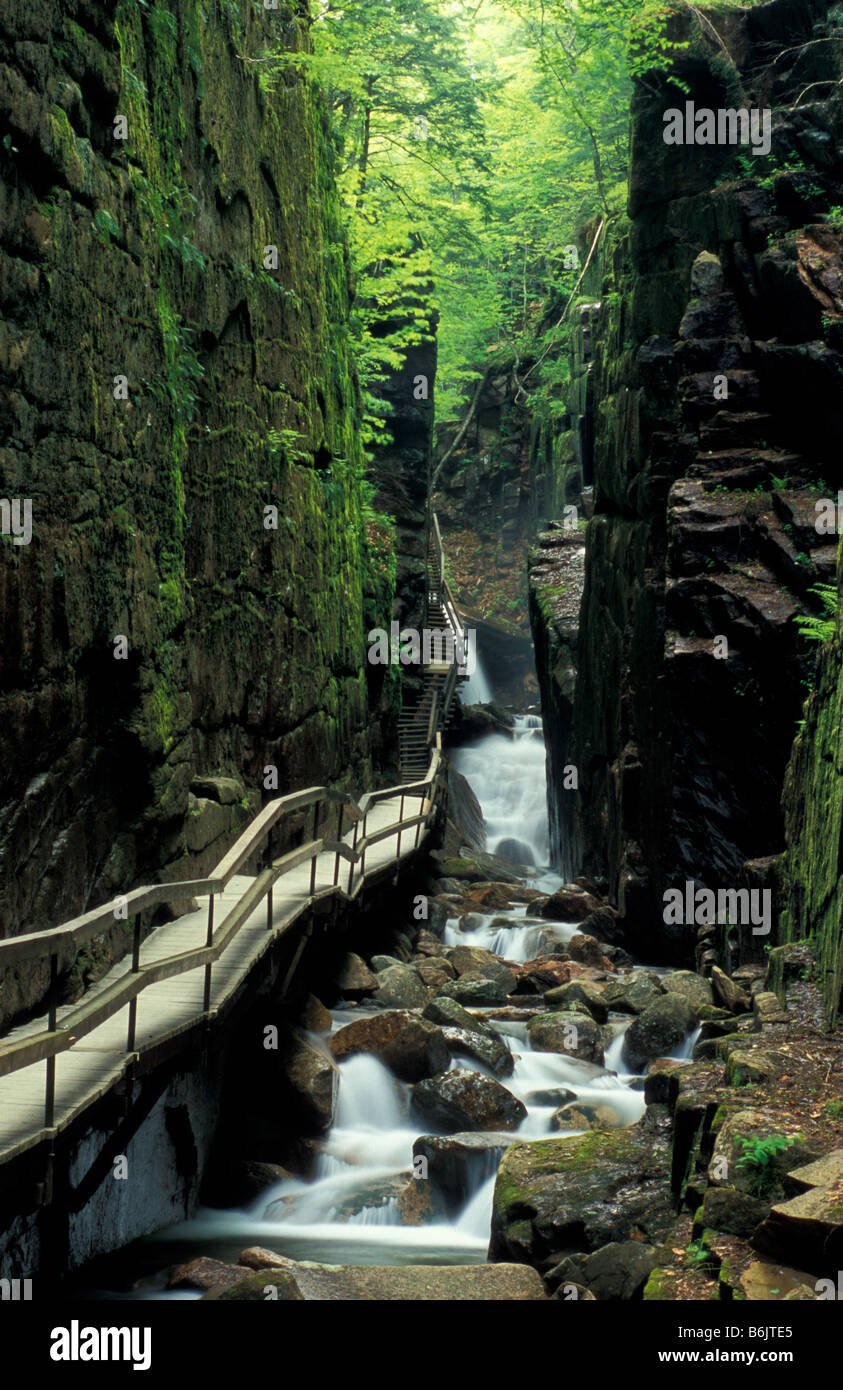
pixel 418 724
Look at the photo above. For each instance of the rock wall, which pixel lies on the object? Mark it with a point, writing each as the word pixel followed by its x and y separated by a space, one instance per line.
pixel 702 547
pixel 165 382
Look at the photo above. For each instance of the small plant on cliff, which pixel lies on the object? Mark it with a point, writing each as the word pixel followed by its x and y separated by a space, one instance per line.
pixel 820 629
pixel 759 1156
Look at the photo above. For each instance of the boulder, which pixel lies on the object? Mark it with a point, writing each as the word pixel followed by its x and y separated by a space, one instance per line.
pixel 456 1163
pixel 379 963
pixel 314 1078
pixel 581 1115
pixel 613 1274
pixel 481 964
pixel 731 1163
pixel 659 1030
pixel 729 994
pixel 466 1100
pixel 314 1016
pixel 475 993
pixel 387 1283
pixel 354 978
pixel 581 997
pixel 586 950
pixel 569 904
pixel 432 977
pixel 576 1034
pixel 633 994
pixel 399 987
pixel 449 1014
pixel 410 1046
pixel 206 1275
pixel 556 1196
pixel 765 1282
pixel 553 1095
pixel 241 1181
pixel 695 988
pixel 808 1229
pixel 735 1212
pixel 491 1052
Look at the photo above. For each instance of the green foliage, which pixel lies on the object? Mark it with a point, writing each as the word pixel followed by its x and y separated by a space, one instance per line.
pixel 820 629
pixel 759 1156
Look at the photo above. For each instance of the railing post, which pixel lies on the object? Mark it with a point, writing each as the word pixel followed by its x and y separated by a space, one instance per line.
pixel 50 1093
pixel 269 908
pixel 209 941
pixel 400 819
pixel 363 860
pixel 339 838
pixel 418 823
pixel 133 1004
pixel 351 862
pixel 313 860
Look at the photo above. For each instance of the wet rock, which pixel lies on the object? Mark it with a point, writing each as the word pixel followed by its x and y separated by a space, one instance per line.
pixel 604 924
pixel 569 904
pixel 419 1203
pixel 491 1052
pixel 475 993
pixel 660 1029
pixel 388 1283
pixel 586 950
pixel 613 1274
pixel 467 1100
pixel 695 988
pixel 439 963
pixel 206 1275
pixel 370 1196
pixel 384 963
pixel 354 978
pixel 557 1196
pixel 241 1181
pixel 545 975
pixel 412 1047
pixel 449 1014
pixel 427 944
pixel 553 1095
pixel 432 977
pixel 478 963
pixel 580 997
pixel 314 1016
pixel 580 1115
pixel 573 1033
pixel 632 995
pixel 314 1079
pixel 457 1163
pixel 729 994
pixel 399 987
pixel 494 896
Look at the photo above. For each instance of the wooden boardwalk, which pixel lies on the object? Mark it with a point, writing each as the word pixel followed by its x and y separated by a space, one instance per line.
pixel 87 1070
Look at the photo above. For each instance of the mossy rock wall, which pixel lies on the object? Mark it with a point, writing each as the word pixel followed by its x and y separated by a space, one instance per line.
pixel 703 506
pixel 143 258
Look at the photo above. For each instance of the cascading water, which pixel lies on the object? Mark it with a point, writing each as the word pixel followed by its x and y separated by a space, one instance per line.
pixel 477 689
pixel 349 1212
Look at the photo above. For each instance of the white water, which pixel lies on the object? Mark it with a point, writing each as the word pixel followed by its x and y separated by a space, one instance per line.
pixel 348 1212
pixel 508 777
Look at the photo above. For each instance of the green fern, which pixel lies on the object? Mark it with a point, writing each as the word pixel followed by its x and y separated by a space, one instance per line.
pixel 820 629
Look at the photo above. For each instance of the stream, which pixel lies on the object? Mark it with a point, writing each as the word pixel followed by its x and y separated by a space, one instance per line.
pixel 348 1212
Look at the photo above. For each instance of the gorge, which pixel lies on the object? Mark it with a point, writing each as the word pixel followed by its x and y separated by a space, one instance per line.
pixel 422 460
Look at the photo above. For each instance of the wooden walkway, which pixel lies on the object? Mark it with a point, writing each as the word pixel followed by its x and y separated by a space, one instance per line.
pixel 87 1070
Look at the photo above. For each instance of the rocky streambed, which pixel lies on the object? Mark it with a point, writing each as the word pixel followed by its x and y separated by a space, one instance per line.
pixel 505 1105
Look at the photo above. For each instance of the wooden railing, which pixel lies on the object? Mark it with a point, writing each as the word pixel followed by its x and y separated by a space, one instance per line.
pixel 46 1045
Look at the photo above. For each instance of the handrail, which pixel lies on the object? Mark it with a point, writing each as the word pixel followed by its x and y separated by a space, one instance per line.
pixel 48 1043
pixel 36 945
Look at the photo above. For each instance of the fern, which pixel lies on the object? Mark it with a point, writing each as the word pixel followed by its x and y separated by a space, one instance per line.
pixel 820 629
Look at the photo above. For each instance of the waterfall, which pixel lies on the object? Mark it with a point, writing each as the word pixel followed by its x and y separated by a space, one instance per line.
pixel 477 689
